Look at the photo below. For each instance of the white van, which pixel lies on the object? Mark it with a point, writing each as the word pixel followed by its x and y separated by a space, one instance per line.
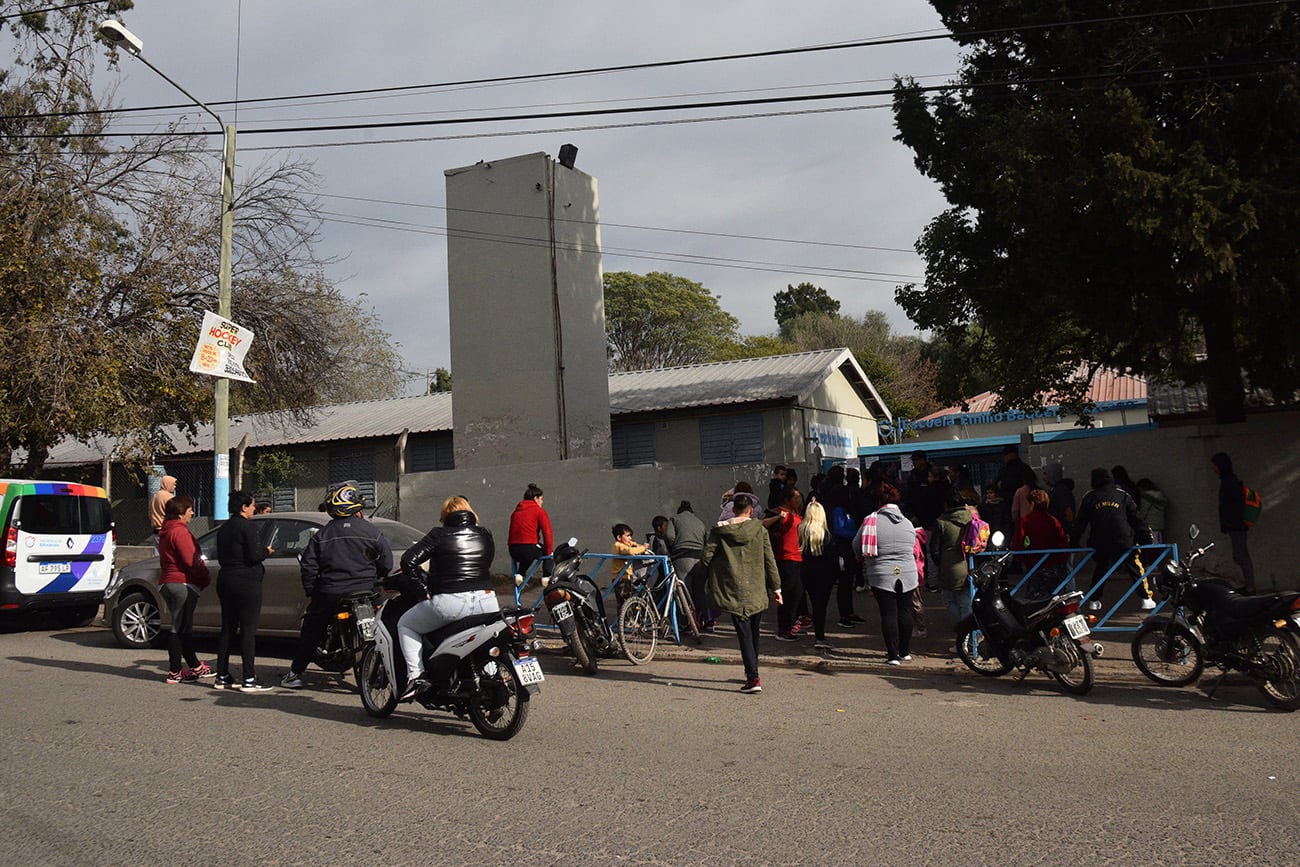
pixel 58 548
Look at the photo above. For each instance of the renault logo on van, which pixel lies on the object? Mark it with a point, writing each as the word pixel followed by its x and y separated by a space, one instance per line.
pixel 70 543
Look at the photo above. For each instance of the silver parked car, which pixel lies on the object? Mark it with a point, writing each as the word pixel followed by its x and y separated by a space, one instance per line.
pixel 134 606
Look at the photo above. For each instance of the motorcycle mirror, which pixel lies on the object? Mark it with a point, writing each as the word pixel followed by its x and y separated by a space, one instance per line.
pixel 998 538
pixel 573 541
pixel 1193 531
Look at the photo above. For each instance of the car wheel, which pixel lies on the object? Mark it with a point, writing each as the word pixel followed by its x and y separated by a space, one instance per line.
pixel 137 622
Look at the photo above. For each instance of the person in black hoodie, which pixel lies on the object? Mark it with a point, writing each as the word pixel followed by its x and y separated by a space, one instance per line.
pixel 458 584
pixel 239 588
pixel 1232 505
pixel 1109 517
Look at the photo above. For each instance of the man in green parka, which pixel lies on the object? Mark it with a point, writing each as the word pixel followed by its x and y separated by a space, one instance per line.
pixel 741 569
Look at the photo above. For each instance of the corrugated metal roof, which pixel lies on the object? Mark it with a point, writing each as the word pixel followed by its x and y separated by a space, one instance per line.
pixel 1107 386
pixel 719 383
pixel 750 380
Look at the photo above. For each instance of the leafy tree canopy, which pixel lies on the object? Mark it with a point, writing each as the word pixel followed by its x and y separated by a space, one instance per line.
pixel 753 346
pixel 1122 194
pixel 661 320
pixel 896 365
pixel 441 381
pixel 794 301
pixel 108 258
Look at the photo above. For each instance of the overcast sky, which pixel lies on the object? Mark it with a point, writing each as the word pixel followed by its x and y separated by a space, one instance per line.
pixel 668 191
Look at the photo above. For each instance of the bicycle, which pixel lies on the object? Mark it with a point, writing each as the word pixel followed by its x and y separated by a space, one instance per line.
pixel 643 618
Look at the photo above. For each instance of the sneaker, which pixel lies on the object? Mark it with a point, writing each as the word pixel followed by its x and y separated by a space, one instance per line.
pixel 823 644
pixel 845 623
pixel 1094 605
pixel 907 657
pixel 893 662
pixel 189 675
pixel 796 629
pixel 804 621
pixel 291 680
pixel 1148 604
pixel 176 676
pixel 416 687
pixel 709 626
pixel 252 684
pixel 751 687
pixel 787 635
pixel 203 670
pixel 853 618
pixel 860 587
pixel 223 681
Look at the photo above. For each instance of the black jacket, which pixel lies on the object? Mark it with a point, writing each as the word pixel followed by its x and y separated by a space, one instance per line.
pixel 459 554
pixel 1109 516
pixel 240 550
pixel 348 555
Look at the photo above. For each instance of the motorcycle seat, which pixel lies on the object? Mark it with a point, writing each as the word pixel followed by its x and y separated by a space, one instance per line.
pixel 1252 607
pixel 436 637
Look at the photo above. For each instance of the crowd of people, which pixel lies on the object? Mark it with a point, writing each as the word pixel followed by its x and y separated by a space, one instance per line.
pixel 881 532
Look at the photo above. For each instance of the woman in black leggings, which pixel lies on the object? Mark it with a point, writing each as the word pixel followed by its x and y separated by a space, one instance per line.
pixel 239 587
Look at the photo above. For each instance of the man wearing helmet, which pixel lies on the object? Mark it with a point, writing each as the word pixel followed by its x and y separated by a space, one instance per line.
pixel 347 556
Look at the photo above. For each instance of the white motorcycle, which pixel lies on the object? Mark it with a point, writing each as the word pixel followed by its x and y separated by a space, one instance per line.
pixel 480 667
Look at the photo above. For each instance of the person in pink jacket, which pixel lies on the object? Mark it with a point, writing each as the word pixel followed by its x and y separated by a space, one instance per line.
pixel 182 575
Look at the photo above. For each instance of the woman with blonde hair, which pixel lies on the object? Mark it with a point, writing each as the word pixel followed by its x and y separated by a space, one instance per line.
pixel 458 584
pixel 820 568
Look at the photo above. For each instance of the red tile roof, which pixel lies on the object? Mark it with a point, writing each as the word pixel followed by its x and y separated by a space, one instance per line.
pixel 1107 386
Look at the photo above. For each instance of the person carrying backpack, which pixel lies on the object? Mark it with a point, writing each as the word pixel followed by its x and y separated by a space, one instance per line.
pixel 1232 520
pixel 952 574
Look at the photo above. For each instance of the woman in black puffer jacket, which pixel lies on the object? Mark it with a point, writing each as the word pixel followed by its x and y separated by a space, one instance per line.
pixel 458 585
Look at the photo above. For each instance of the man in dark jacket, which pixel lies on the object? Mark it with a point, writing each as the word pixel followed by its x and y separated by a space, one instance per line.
pixel 1232 506
pixel 348 555
pixel 1109 517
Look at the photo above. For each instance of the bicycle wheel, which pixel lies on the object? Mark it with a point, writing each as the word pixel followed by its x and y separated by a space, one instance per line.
pixel 638 629
pixel 686 612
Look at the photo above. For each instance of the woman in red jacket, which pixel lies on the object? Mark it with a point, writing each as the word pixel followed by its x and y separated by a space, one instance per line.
pixel 183 574
pixel 530 532
pixel 1039 529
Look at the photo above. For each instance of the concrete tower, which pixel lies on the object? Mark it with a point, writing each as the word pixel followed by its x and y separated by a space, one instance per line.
pixel 528 356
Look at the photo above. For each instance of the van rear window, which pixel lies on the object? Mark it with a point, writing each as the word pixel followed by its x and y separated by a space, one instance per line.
pixel 55 513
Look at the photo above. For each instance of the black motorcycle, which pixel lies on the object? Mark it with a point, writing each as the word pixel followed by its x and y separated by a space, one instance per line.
pixel 348 634
pixel 577 609
pixel 1002 632
pixel 1210 623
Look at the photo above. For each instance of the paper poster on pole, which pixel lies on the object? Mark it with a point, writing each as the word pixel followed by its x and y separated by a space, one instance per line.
pixel 221 348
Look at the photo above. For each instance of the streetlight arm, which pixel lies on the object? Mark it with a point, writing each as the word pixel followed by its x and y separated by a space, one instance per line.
pixel 115 33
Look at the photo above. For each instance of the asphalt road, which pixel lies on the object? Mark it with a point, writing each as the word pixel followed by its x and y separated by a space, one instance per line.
pixel 660 764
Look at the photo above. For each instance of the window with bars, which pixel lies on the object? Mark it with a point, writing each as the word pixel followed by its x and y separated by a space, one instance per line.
pixel 430 456
pixel 633 445
pixel 732 439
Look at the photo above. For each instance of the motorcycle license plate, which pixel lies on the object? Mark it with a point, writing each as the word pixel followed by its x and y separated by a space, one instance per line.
pixel 529 671
pixel 561 612
pixel 1077 626
pixel 53 568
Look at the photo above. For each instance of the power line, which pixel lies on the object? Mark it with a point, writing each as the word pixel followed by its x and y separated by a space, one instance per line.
pixel 898 39
pixel 605 224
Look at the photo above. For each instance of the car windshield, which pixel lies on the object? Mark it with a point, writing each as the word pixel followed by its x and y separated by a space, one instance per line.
pixel 400 536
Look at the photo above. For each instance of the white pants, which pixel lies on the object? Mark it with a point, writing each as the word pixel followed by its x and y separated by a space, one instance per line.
pixel 435 613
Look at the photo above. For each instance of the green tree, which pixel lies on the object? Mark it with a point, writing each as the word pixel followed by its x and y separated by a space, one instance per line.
pixel 661 320
pixel 108 257
pixel 271 470
pixel 897 366
pixel 753 346
pixel 441 381
pixel 794 301
pixel 1123 194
